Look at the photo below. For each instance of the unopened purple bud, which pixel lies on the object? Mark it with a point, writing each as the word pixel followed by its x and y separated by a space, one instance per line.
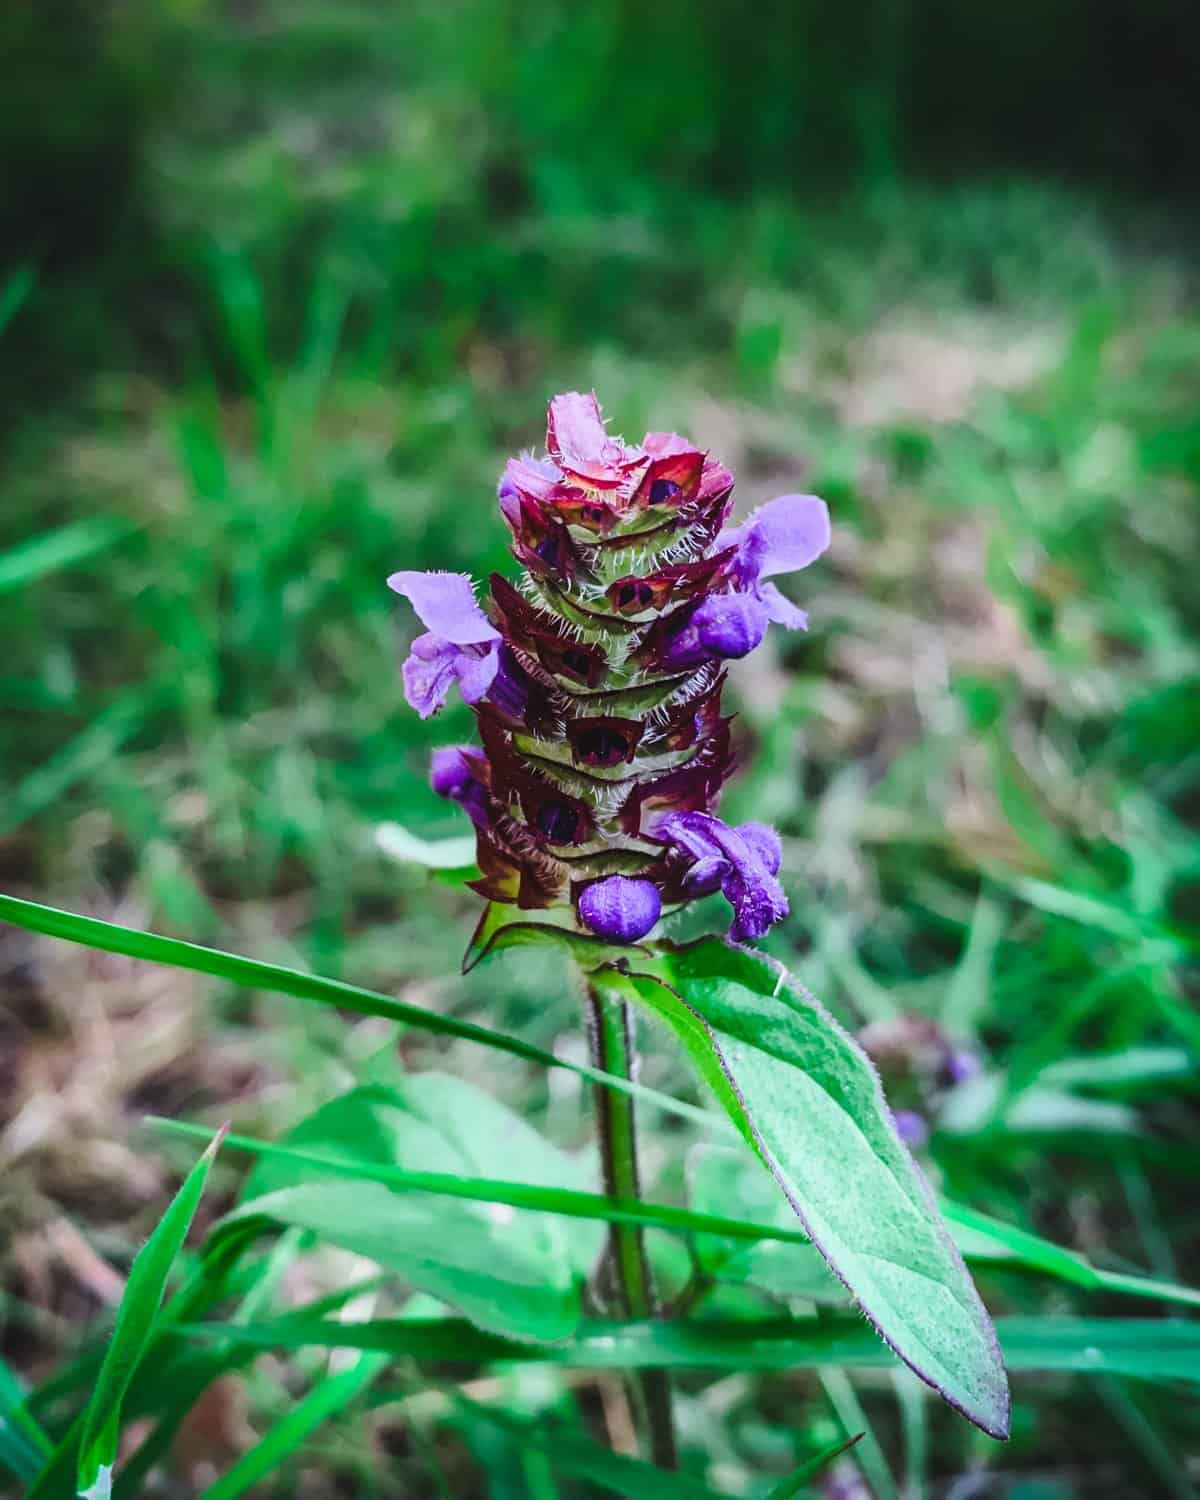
pixel 454 774
pixel 912 1128
pixel 620 909
pixel 451 770
pixel 764 841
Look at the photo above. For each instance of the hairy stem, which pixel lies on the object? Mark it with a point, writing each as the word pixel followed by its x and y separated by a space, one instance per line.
pixel 610 1030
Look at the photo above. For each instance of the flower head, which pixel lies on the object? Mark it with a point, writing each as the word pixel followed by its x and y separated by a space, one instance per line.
pixel 596 681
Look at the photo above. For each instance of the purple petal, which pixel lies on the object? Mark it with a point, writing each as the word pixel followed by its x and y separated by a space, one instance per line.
pixel 476 671
pixel 510 689
pixel 455 772
pixel 764 841
pixel 726 626
pixel 730 625
pixel 780 609
pixel 706 875
pixel 620 909
pixel 445 604
pixel 782 536
pixel 435 663
pixel 576 438
pixel 428 673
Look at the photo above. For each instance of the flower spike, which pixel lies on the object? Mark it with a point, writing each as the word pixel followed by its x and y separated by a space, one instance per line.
pixel 597 682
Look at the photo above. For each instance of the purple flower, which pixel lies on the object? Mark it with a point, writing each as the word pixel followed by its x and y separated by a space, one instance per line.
pixel 912 1128
pixel 742 862
pixel 620 909
pixel 460 644
pixel 782 536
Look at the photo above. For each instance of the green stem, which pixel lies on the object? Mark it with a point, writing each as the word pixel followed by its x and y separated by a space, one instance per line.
pixel 610 1029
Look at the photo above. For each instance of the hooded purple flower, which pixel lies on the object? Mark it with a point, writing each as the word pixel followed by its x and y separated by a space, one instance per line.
pixel 460 645
pixel 782 536
pixel 741 862
pixel 596 681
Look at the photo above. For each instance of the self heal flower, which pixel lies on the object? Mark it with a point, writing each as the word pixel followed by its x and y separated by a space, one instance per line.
pixel 741 862
pixel 461 643
pixel 782 536
pixel 596 676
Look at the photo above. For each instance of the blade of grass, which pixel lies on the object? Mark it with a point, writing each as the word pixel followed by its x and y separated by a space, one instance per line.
pixel 254 973
pixel 798 1478
pixel 14 293
pixel 1145 1438
pixel 868 1453
pixel 15 1415
pixel 88 752
pixel 566 1201
pixel 1143 1348
pixel 135 1322
pixel 325 1400
pixel 1012 1246
pixel 62 548
pixel 582 1459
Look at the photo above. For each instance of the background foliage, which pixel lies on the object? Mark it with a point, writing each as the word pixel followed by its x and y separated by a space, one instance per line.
pixel 282 285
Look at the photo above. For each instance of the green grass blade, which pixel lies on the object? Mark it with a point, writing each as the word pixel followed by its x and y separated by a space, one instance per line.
pixel 15 1416
pixel 798 1478
pixel 565 1201
pixel 135 1323
pixel 254 973
pixel 62 548
pixel 869 1455
pixel 1143 1348
pixel 982 1238
pixel 576 1456
pixel 14 293
pixel 324 1401
pixel 91 750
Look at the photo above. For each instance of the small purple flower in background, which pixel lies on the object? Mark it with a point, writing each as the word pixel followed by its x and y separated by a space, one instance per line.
pixel 597 682
pixel 919 1065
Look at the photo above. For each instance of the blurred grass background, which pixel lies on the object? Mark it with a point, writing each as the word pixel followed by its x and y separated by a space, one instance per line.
pixel 284 283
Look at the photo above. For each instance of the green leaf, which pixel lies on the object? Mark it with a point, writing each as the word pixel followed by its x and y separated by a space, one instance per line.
pixel 806 1098
pixel 110 937
pixel 135 1323
pixel 519 1276
pixel 455 854
pixel 525 1287
pixel 1143 1348
pixel 725 1178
